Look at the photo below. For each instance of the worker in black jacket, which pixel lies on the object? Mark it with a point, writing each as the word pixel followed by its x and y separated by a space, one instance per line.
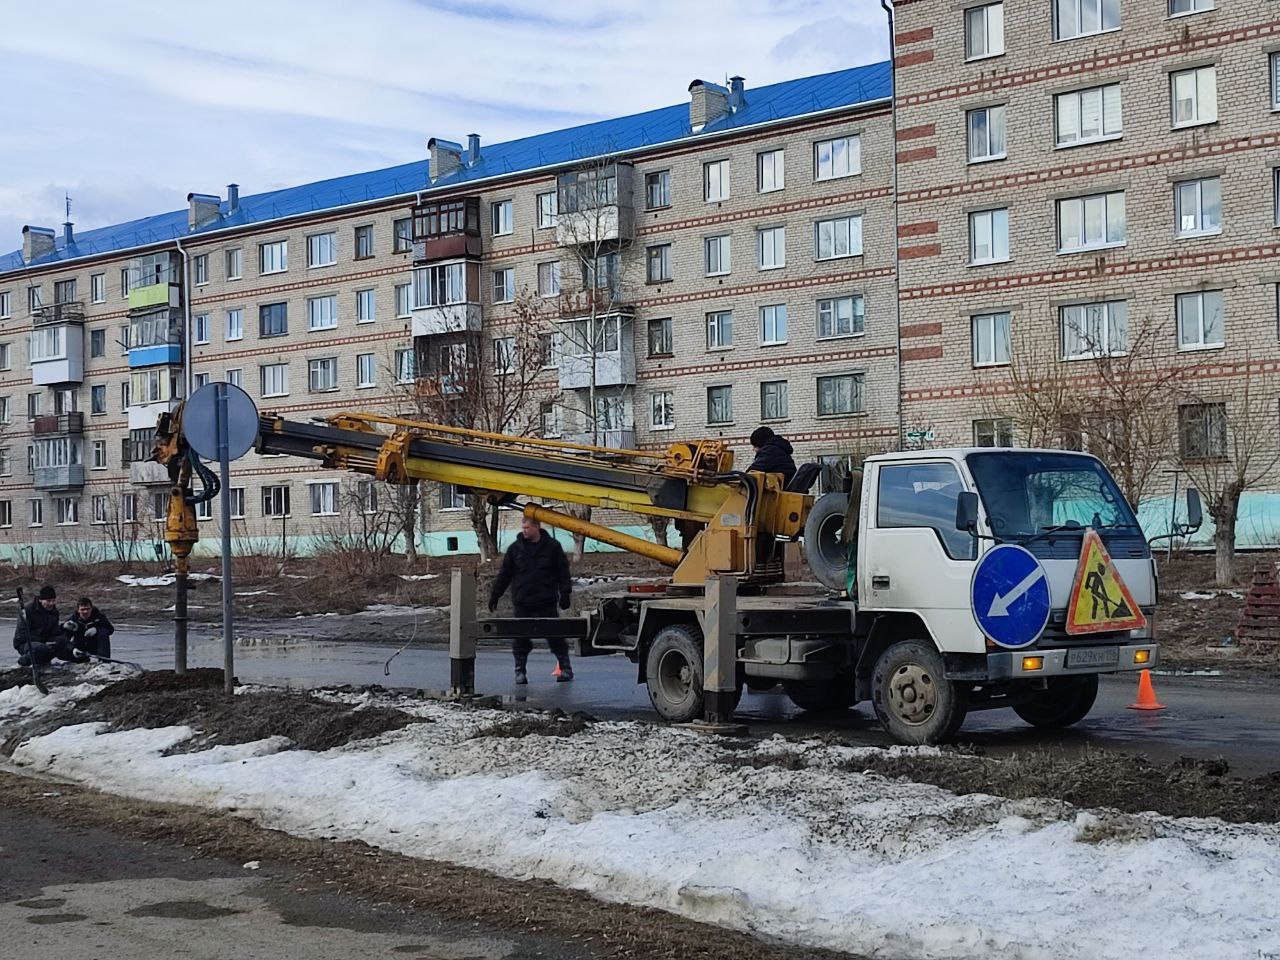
pixel 40 636
pixel 537 571
pixel 89 629
pixel 773 454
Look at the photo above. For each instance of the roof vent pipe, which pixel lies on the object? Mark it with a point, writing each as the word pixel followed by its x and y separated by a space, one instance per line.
pixel 68 237
pixel 736 101
pixel 473 149
pixel 233 198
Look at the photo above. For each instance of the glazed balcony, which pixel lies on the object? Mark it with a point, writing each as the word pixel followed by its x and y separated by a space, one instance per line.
pixel 595 206
pixel 68 476
pixel 446 230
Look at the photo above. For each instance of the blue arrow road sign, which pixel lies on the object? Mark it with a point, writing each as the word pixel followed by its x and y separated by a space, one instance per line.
pixel 1010 595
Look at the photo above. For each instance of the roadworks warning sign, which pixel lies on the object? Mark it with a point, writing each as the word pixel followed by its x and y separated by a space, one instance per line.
pixel 1100 602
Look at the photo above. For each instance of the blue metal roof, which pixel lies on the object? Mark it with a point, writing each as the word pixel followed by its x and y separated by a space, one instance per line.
pixel 773 103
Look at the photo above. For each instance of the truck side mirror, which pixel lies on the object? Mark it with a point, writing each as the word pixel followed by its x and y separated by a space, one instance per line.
pixel 967 511
pixel 1195 512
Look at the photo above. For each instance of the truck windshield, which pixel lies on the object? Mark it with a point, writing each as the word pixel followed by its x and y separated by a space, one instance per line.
pixel 1026 494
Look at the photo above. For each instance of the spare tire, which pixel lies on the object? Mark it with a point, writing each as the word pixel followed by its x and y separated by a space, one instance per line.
pixel 823 547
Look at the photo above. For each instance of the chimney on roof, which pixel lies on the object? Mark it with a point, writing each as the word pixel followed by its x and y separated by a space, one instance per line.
pixel 37 242
pixel 709 102
pixel 446 158
pixel 473 149
pixel 736 100
pixel 68 236
pixel 202 209
pixel 233 198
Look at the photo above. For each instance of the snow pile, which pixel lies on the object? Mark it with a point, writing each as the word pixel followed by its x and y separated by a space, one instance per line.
pixel 163 580
pixel 822 855
pixel 414 577
pixel 19 703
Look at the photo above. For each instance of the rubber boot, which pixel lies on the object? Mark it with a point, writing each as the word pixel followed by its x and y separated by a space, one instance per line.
pixel 522 672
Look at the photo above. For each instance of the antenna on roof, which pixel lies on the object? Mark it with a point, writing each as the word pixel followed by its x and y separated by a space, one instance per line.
pixel 67 198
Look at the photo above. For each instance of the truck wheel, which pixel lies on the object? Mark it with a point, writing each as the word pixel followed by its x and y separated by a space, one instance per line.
pixel 822 547
pixel 1068 700
pixel 673 673
pixel 912 697
pixel 829 695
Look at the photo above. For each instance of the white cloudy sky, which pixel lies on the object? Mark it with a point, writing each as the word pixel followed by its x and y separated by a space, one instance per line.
pixel 128 106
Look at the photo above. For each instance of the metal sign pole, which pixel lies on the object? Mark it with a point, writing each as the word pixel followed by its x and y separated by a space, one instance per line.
pixel 224 502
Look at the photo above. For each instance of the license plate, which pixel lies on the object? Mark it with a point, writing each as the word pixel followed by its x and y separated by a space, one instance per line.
pixel 1093 657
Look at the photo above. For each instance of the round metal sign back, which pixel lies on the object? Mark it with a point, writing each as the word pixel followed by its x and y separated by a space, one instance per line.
pixel 200 421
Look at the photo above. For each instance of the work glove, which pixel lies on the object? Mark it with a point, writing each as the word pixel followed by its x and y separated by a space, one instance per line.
pixel 91 632
pixel 564 601
pixel 69 626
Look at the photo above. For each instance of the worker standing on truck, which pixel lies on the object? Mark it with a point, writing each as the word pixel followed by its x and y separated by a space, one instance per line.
pixel 773 454
pixel 537 571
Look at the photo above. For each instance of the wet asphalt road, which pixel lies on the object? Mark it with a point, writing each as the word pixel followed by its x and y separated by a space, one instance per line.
pixel 1205 717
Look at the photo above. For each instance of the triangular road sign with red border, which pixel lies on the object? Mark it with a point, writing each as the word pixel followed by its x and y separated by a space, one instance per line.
pixel 1100 602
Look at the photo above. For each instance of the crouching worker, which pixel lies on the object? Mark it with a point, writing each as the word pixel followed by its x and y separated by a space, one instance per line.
pixel 537 571
pixel 40 637
pixel 89 630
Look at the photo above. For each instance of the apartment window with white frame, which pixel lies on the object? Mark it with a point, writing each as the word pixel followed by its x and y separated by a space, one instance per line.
pixel 1274 70
pixel 98 287
pixel 200 268
pixel 366 371
pixel 720 404
pixel 773 400
pixel 6 357
pixel 322 249
pixel 772 248
pixel 1094 329
pixel 838 237
pixel 549 279
pixel 237 503
pixel 1198 207
pixel 6 304
pixel 363 236
pixel 988 236
pixel 451 498
pixel 402 235
pixel 99 506
pixel 322 312
pixel 993 432
pixel 35 298
pixel 1194 96
pixel 1092 222
pixel 991 333
pixel 1082 18
pixel 322 375
pixel 6 513
pixel 715 181
pixel 771 170
pixel 35 512
pixel 404 300
pixel 1087 116
pixel 367 496
pixel 275 501
pixel 504 285
pixel 365 306
pixel 235 324
pixel 657 189
pixel 198 380
pixel 662 410
pixel 504 354
pixel 657 260
pixel 773 324
pixel 125 283
pixel 841 317
pixel 840 395
pixel 275 379
pixel 6 463
pixel 234 264
pixel 324 498
pixel 837 157
pixel 273 257
pixel 660 333
pixel 986 127
pixel 154 385
pixel 547 210
pixel 1181 8
pixel 159 505
pixel 200 332
pixel 6 412
pixel 68 510
pixel 718 255
pixel 406 366
pixel 719 329
pixel 501 218
pixel 235 377
pixel 1200 321
pixel 984 31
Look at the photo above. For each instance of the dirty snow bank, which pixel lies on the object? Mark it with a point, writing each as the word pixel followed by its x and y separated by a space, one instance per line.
pixel 668 818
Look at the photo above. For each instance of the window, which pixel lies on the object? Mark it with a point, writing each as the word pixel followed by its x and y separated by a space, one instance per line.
pixel 501 217
pixel 549 279
pixel 273 257
pixel 6 415
pixel 841 237
pixel 719 329
pixel 47 343
pixel 159 505
pixel 64 291
pixel 990 339
pixel 366 371
pixel 720 404
pixel 68 509
pixel 153 385
pixel 984 31
pixel 204 510
pixel 1086 116
pixel 235 377
pixel 547 349
pixel 6 465
pixel 660 337
pixel 98 398
pixel 126 398
pixel 1198 207
pixel 234 264
pixel 657 189
pixel 1202 431
pixel 1079 18
pixel 98 343
pixel 662 410
pixel 273 320
pixel 31 459
pixel 658 263
pixel 367 496
pixel 504 285
pixel 322 375
pixel 718 255
pixel 237 503
pixel 986 134
pixel 1195 96
pixel 6 513
pixel 547 210
pixel 1275 105
pixel 364 241
pixel 364 306
pixel 504 354
pixel 773 400
pixel 235 324
pixel 989 236
pixel 772 248
pixel 451 498
pixel 406 365
pixel 322 313
pixel 404 299
pixel 200 268
pixel 99 507
pixel 5 358
pixel 402 235
pixel 200 328
pixel 275 501
pixel 5 304
pixel 324 498
pixel 322 249
pixel 1088 223
pixel 773 324
pixel 841 157
pixel 1178 8
pixel 1094 329
pixel 840 394
pixel 444 284
pixel 770 171
pixel 715 181
pixel 275 379
pixel 923 495
pixel 125 283
pixel 1200 320
pixel 33 405
pixel 98 287
pixel 35 512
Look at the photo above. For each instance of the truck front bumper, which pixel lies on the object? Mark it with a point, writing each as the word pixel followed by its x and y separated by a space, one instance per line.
pixel 1029 664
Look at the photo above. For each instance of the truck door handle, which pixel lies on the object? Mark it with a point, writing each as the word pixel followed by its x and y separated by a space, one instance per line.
pixel 879 583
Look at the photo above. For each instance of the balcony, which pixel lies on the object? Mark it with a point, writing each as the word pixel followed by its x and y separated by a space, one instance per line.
pixel 609 343
pixel 595 206
pixel 72 311
pixel 624 439
pixel 432 321
pixel 148 473
pixel 66 477
pixel 446 230
pixel 56 349
pixel 65 424
pixel 431 386
pixel 143 416
pixel 155 337
pixel 155 295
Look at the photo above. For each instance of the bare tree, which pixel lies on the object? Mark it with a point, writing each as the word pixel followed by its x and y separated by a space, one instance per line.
pixel 120 525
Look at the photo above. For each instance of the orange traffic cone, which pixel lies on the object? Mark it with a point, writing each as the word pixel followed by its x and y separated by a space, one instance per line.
pixel 1146 694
